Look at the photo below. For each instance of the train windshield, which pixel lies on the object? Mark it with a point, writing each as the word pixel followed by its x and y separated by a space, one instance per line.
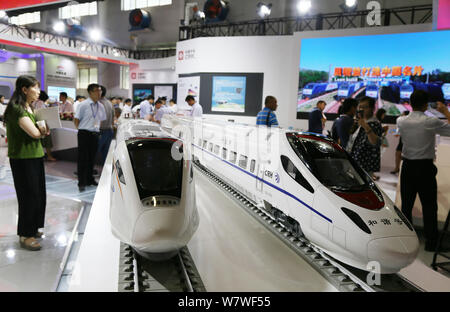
pixel 330 164
pixel 344 86
pixel 155 170
pixel 309 86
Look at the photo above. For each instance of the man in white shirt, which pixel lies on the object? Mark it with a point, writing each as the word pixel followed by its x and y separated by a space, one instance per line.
pixel 79 99
pixel 197 110
pixel 146 108
pixel 418 132
pixel 126 111
pixel 160 111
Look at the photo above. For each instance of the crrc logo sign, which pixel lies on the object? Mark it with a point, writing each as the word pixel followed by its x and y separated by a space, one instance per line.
pixel 180 55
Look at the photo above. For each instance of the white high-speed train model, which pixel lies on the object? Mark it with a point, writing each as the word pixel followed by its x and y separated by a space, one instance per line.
pixel 312 186
pixel 153 207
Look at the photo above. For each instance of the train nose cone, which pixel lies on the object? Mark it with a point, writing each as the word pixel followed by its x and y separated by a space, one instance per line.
pixel 393 253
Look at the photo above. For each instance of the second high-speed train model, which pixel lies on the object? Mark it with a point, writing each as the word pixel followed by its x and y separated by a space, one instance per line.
pixel 153 206
pixel 312 186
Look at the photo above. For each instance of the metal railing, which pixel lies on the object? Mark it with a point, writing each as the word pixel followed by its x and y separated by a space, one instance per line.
pixel 418 14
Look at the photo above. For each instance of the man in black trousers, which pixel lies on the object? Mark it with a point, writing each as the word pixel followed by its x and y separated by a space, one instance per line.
pixel 418 176
pixel 90 113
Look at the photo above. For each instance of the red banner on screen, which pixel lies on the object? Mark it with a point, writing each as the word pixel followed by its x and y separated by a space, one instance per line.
pixel 443 21
pixel 17 4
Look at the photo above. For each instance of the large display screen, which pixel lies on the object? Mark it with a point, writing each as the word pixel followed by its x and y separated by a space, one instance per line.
pixel 387 68
pixel 53 92
pixel 141 94
pixel 228 94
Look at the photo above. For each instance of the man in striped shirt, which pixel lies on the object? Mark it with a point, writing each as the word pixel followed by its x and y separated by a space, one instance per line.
pixel 267 116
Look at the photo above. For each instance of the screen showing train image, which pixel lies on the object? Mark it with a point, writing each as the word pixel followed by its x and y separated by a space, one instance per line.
pixel 141 94
pixel 387 68
pixel 53 92
pixel 228 94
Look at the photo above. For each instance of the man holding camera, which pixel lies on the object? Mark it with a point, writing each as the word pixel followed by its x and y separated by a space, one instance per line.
pixel 418 132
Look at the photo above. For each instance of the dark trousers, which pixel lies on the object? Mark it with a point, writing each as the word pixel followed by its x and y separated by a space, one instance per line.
pixel 29 181
pixel 87 149
pixel 104 142
pixel 419 177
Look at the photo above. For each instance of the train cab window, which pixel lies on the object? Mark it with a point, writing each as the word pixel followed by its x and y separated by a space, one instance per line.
pixel 329 163
pixel 233 156
pixel 224 153
pixel 205 143
pixel 155 170
pixel 243 161
pixel 120 172
pixel 216 149
pixel 252 165
pixel 210 148
pixel 295 174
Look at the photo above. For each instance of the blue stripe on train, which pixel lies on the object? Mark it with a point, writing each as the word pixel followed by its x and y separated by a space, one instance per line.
pixel 270 184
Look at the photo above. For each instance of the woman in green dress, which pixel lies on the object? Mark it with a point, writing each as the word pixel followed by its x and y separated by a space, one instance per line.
pixel 26 158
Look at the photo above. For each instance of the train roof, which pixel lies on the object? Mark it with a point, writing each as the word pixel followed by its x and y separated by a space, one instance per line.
pixel 139 129
pixel 240 128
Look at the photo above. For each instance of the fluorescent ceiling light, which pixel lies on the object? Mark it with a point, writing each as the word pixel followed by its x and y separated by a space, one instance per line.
pixel 303 6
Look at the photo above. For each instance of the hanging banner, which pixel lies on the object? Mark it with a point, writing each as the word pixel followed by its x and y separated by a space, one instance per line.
pixel 19 4
pixel 443 20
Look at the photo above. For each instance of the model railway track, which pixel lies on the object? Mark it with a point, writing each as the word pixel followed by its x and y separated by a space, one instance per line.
pixel 177 274
pixel 342 276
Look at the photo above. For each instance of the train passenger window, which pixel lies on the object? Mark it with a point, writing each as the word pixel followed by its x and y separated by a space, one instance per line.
pixel 252 166
pixel 224 153
pixel 295 174
pixel 205 143
pixel 210 148
pixel 216 149
pixel 243 161
pixel 120 172
pixel 233 157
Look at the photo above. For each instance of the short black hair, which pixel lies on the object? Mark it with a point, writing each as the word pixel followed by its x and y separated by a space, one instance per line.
pixel 419 99
pixel 1 95
pixel 369 100
pixel 380 113
pixel 172 100
pixel 158 102
pixel 63 94
pixel 189 98
pixel 103 91
pixel 164 98
pixel 93 87
pixel 79 97
pixel 348 104
pixel 150 97
pixel 127 100
pixel 43 96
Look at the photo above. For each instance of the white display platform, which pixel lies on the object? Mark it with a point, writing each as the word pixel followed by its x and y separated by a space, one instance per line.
pixel 97 264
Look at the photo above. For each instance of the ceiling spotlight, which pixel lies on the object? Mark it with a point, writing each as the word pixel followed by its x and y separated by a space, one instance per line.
pixel 350 3
pixel 59 27
pixel 95 34
pixel 263 9
pixel 303 6
pixel 2 14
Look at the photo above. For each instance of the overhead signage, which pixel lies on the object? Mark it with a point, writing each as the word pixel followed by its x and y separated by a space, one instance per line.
pixel 19 4
pixel 443 20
